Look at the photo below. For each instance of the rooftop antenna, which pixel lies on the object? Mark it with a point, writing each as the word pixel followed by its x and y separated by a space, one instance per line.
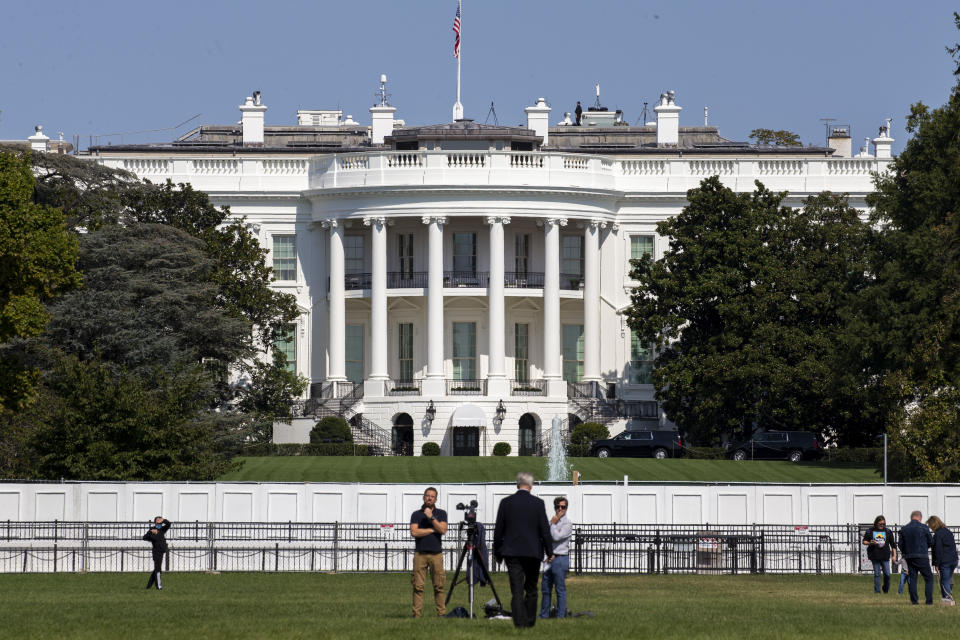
pixel 597 103
pixel 492 112
pixel 382 95
pixel 826 125
pixel 644 115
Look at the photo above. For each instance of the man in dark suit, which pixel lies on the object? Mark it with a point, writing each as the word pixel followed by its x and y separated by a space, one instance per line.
pixel 521 540
pixel 915 543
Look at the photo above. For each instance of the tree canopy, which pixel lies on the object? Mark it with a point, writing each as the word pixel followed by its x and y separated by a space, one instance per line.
pixel 747 310
pixel 37 258
pixel 777 137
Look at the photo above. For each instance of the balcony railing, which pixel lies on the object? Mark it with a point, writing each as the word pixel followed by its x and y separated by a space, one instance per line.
pixel 523 279
pixel 353 281
pixel 403 387
pixel 407 279
pixel 571 281
pixel 528 387
pixel 466 387
pixel 471 279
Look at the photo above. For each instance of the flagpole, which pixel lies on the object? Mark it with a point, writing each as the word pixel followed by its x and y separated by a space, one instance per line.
pixel 458 107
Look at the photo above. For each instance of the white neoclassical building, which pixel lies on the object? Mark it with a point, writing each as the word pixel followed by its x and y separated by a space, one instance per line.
pixel 464 284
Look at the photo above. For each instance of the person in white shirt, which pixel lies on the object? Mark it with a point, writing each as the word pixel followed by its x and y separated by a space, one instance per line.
pixel 555 572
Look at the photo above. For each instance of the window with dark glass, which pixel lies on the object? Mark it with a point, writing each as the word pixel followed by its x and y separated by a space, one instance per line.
pixel 465 253
pixel 405 240
pixel 285 257
pixel 521 350
pixel 571 256
pixel 406 351
pixel 522 254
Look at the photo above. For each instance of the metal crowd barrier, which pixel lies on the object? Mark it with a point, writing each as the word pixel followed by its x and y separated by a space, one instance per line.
pixel 42 547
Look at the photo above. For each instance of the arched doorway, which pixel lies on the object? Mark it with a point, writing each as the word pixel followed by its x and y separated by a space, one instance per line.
pixel 403 435
pixel 528 435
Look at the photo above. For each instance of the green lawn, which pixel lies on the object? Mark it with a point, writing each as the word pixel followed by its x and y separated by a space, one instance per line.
pixel 496 469
pixel 232 606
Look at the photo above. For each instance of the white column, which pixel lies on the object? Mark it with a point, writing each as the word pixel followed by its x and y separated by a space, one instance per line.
pixel 378 305
pixel 591 301
pixel 496 368
pixel 552 365
pixel 336 368
pixel 435 385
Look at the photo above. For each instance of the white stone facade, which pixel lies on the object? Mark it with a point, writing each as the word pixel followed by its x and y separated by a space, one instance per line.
pixel 459 233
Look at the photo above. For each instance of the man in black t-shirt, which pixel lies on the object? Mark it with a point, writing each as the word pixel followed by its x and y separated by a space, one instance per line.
pixel 427 525
pixel 880 545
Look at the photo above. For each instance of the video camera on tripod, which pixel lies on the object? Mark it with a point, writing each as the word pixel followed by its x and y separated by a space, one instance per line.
pixel 469 513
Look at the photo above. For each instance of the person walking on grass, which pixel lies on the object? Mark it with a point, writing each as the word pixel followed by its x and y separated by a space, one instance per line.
pixel 157 537
pixel 944 557
pixel 427 526
pixel 915 543
pixel 880 545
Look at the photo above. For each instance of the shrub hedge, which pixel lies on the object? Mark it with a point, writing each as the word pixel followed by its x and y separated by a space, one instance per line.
pixel 430 449
pixel 587 432
pixel 502 449
pixel 313 449
pixel 331 429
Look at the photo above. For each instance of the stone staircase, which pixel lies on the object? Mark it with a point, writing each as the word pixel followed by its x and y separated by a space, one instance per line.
pixel 341 399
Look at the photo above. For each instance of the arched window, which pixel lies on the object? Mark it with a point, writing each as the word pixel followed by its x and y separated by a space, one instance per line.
pixel 403 435
pixel 528 435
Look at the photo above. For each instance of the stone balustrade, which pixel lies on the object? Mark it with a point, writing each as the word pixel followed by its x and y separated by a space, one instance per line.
pixel 503 168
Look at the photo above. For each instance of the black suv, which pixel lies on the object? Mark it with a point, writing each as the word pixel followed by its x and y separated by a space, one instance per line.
pixel 777 445
pixel 635 444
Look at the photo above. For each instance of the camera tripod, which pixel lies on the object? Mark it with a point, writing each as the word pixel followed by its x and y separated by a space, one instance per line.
pixel 471 547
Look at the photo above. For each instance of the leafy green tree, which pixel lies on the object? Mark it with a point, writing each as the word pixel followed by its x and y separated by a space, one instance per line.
pixel 37 256
pixel 916 297
pixel 97 423
pixel 587 432
pixel 779 137
pixel 748 310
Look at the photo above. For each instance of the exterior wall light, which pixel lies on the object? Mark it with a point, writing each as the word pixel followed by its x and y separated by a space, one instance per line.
pixel 431 412
pixel 501 412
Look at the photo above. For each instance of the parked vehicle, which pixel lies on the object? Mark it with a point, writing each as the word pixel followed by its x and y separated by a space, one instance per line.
pixel 639 444
pixel 778 445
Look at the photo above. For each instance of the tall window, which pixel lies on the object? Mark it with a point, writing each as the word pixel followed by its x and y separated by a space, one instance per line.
pixel 353 355
pixel 353 254
pixel 406 255
pixel 640 246
pixel 521 350
pixel 285 257
pixel 287 345
pixel 522 254
pixel 406 351
pixel 641 360
pixel 465 252
pixel 573 352
pixel 464 350
pixel 571 256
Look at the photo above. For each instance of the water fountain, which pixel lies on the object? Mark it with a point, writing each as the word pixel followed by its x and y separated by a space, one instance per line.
pixel 557 469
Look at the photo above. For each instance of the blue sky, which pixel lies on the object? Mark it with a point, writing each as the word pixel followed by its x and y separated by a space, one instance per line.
pixel 102 66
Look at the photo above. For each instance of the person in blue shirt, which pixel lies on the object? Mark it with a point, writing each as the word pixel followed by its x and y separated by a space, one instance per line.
pixel 915 543
pixel 944 556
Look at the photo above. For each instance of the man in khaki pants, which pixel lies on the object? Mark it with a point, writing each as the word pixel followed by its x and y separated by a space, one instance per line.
pixel 427 525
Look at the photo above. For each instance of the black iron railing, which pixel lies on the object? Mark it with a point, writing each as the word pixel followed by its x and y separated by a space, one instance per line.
pixel 36 547
pixel 528 387
pixel 353 281
pixel 466 387
pixel 523 279
pixel 571 281
pixel 407 279
pixel 403 387
pixel 470 279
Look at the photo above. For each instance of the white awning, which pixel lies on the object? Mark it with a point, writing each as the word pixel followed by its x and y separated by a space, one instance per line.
pixel 469 415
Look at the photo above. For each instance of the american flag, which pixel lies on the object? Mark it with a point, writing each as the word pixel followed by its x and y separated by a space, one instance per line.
pixel 456 30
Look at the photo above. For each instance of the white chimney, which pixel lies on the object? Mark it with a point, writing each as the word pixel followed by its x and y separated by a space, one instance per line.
pixel 38 141
pixel 381 115
pixel 538 119
pixel 840 142
pixel 884 143
pixel 668 121
pixel 251 120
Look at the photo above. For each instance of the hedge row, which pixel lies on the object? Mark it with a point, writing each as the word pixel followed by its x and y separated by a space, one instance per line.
pixel 324 449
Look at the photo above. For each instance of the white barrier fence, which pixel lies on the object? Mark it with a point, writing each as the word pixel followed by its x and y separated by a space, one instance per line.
pixel 623 503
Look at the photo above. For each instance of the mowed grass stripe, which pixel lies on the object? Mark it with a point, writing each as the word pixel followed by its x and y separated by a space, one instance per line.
pixel 314 605
pixel 496 469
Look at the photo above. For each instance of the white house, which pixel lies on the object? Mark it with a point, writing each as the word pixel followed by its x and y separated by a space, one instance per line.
pixel 464 283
